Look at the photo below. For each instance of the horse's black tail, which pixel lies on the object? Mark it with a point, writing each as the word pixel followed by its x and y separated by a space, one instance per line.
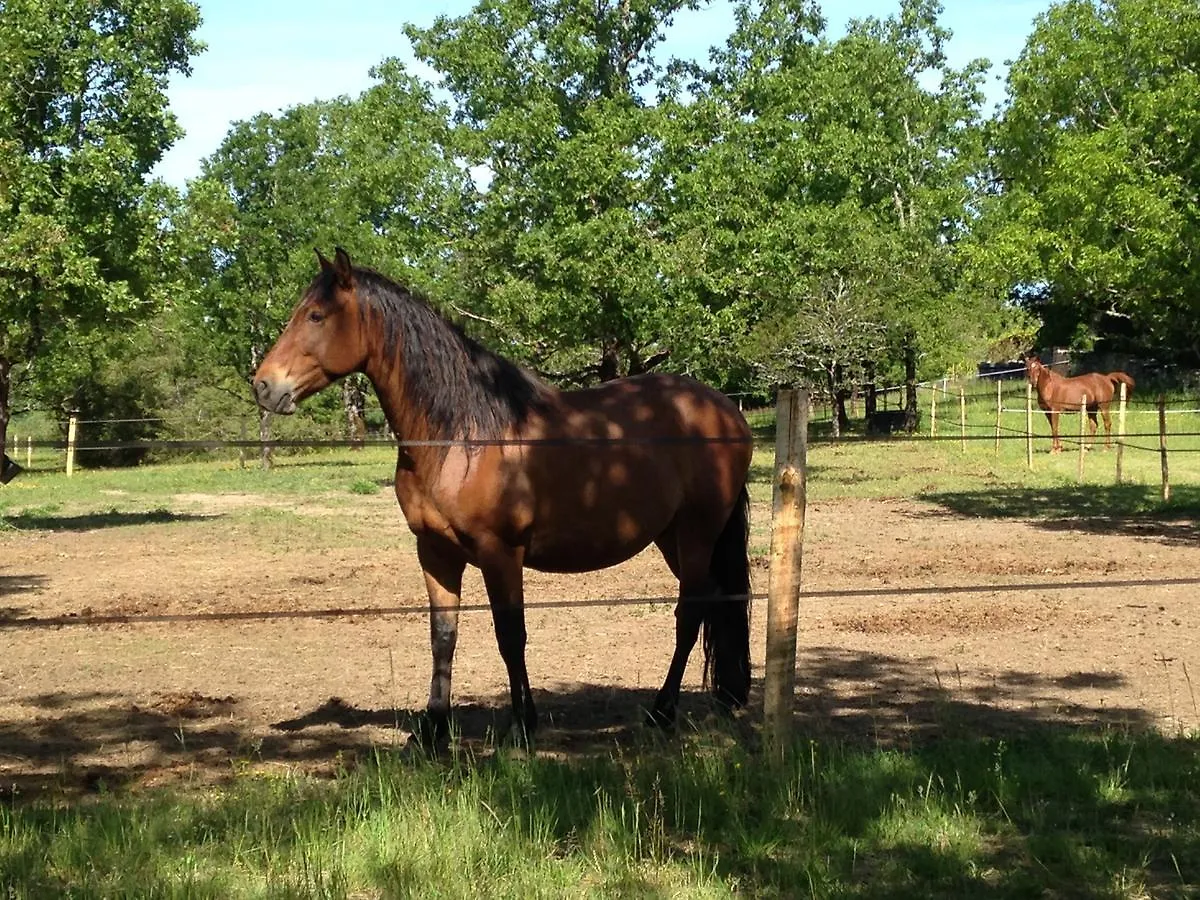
pixel 727 618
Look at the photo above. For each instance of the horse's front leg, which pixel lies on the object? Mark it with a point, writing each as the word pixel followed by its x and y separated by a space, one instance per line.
pixel 504 579
pixel 443 565
pixel 1055 441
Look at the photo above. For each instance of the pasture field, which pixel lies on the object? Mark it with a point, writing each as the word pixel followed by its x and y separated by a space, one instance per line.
pixel 996 694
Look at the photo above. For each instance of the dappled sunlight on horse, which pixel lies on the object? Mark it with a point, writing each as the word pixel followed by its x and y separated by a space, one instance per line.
pixel 1057 394
pixel 499 470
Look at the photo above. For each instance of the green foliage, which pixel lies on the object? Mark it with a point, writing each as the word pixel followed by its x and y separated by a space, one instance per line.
pixel 1097 161
pixel 83 119
pixel 373 175
pixel 822 189
pixel 562 258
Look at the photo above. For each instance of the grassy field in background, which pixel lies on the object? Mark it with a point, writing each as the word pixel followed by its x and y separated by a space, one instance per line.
pixel 1056 812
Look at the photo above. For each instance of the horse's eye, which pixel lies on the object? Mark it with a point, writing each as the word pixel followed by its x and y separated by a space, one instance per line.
pixel 316 317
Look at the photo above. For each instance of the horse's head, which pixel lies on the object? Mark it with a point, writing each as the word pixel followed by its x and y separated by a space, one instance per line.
pixel 322 341
pixel 1034 369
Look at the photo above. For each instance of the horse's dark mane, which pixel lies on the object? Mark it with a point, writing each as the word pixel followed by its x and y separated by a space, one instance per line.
pixel 464 389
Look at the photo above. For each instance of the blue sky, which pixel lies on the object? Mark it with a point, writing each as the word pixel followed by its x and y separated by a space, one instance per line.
pixel 267 55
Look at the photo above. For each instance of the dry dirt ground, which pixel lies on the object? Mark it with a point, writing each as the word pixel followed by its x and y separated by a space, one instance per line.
pixel 135 652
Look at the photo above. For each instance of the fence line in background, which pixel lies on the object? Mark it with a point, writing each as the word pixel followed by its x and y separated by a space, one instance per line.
pixel 299 444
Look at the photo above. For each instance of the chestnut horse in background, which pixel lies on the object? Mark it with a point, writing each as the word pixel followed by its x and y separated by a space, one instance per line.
pixel 1057 393
pixel 500 470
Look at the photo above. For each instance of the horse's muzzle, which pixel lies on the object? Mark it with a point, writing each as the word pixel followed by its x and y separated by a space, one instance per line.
pixel 274 397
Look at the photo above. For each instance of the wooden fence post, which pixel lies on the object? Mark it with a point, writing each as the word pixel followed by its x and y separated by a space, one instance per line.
pixel 999 411
pixel 1029 424
pixel 29 452
pixel 1121 433
pixel 933 392
pixel 1162 446
pixel 787 546
pixel 72 430
pixel 962 417
pixel 1082 433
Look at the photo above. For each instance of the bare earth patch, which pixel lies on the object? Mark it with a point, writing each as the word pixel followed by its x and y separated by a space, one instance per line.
pixel 224 647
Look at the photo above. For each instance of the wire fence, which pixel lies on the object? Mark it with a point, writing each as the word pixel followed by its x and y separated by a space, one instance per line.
pixel 17 622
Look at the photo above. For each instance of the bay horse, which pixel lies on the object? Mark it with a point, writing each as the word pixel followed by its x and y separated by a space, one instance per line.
pixel 500 470
pixel 1057 393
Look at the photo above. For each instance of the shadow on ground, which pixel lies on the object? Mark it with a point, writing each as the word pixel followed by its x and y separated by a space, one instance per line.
pixel 92 521
pixel 21 584
pixel 1132 510
pixel 71 742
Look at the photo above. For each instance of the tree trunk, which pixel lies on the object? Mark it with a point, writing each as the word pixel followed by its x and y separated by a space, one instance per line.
pixel 836 414
pixel 639 366
pixel 610 361
pixel 839 401
pixel 264 435
pixel 354 401
pixel 5 379
pixel 870 401
pixel 910 387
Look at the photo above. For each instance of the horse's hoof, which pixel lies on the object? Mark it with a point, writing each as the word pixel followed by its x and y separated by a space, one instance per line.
pixel 662 719
pixel 516 734
pixel 431 734
pixel 518 737
pixel 419 748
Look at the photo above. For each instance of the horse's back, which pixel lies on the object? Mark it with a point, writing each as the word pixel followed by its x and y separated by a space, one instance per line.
pixel 1059 392
pixel 672 418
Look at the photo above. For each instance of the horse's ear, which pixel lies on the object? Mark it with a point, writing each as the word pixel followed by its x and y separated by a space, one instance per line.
pixel 326 265
pixel 343 269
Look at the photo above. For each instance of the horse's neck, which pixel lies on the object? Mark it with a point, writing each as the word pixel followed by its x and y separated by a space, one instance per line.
pixel 403 417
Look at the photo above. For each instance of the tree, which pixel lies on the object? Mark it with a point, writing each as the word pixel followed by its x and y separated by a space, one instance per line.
pixel 1095 221
pixel 369 174
pixel 562 259
pixel 83 120
pixel 826 179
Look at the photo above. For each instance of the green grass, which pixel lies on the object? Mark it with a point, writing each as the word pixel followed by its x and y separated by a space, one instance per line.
pixel 331 477
pixel 1050 814
pixel 1056 811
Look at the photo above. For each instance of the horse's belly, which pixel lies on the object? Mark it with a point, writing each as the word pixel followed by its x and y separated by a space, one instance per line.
pixel 583 551
pixel 580 532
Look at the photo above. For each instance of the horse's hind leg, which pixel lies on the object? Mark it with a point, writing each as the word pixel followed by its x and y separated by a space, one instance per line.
pixel 689 561
pixel 1107 426
pixel 503 578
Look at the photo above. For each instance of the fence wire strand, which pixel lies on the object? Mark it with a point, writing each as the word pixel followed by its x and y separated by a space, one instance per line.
pixel 419 609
